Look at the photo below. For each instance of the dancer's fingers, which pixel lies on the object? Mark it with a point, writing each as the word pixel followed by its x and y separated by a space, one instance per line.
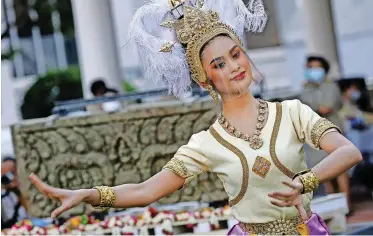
pixel 282 203
pixel 40 185
pixel 302 212
pixel 281 194
pixel 282 198
pixel 59 210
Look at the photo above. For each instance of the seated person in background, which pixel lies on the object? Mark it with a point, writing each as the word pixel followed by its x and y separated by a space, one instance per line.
pixel 324 97
pixel 356 108
pixel 13 204
pixel 321 93
pixel 98 89
pixel 358 115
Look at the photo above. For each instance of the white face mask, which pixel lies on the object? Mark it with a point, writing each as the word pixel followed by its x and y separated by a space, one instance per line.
pixel 316 75
pixel 111 106
pixel 355 95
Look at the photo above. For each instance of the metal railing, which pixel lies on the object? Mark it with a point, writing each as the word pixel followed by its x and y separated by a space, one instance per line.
pixel 66 107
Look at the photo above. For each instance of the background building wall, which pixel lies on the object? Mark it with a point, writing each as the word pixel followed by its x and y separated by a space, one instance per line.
pixel 354 34
pixel 281 60
pixel 354 29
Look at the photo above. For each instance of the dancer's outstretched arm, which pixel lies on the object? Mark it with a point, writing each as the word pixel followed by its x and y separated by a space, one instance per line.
pixel 127 195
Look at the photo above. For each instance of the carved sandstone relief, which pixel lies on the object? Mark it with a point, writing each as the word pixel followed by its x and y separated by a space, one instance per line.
pixel 111 149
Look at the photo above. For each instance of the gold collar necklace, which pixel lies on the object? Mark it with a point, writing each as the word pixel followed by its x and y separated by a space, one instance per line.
pixel 254 140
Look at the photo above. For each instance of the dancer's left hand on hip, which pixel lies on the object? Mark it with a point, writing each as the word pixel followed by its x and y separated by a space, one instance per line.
pixel 290 198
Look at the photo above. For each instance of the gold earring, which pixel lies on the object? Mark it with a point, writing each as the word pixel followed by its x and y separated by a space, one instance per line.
pixel 213 93
pixel 254 79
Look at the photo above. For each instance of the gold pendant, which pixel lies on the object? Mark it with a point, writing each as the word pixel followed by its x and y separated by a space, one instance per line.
pixel 255 142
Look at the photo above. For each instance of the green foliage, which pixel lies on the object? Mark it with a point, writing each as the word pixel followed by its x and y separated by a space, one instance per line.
pixel 9 55
pixel 128 87
pixel 53 86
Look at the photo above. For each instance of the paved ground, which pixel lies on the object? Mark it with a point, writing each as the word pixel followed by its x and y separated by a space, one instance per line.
pixel 363 212
pixel 360 222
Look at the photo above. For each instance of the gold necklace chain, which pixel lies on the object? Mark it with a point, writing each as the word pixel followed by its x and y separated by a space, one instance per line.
pixel 254 140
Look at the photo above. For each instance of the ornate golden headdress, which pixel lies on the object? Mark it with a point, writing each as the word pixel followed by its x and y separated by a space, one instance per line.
pixel 193 23
pixel 195 29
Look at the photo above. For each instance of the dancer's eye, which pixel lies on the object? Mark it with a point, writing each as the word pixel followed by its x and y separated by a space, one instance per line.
pixel 219 65
pixel 236 55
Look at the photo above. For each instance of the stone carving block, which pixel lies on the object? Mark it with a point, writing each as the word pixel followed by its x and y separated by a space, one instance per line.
pixel 111 149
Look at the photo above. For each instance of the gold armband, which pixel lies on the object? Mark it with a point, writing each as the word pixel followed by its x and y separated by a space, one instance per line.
pixel 107 196
pixel 301 173
pixel 310 182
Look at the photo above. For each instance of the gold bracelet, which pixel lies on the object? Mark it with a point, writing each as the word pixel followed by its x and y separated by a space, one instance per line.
pixel 310 182
pixel 301 173
pixel 107 196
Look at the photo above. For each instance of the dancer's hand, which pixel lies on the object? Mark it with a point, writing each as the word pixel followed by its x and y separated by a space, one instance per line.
pixel 290 198
pixel 68 198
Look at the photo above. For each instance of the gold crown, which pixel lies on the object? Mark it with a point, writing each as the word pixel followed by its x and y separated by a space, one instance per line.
pixel 195 29
pixel 175 3
pixel 195 21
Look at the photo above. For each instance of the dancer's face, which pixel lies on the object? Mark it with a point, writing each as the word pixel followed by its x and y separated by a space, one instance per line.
pixel 227 66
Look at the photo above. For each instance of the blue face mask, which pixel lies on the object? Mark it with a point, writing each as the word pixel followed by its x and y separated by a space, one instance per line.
pixel 316 75
pixel 355 95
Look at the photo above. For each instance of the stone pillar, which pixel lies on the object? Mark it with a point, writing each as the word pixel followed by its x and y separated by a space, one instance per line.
pixel 9 109
pixel 320 37
pixel 98 50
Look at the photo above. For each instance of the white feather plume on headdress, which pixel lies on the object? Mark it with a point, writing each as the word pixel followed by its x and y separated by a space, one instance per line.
pixel 251 17
pixel 172 68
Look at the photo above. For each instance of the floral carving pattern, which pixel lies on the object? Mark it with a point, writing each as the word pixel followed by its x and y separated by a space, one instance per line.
pixel 111 149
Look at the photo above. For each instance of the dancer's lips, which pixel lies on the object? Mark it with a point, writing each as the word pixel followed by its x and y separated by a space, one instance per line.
pixel 239 77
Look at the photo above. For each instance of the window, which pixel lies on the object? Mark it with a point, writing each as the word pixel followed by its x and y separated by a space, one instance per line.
pixel 40 33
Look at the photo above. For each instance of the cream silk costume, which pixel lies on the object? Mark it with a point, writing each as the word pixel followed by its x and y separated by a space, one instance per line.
pixel 246 178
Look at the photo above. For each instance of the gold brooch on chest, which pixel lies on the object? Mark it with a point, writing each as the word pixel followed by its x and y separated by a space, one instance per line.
pixel 261 166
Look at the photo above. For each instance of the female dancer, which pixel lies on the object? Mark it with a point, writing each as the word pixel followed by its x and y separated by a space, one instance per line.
pixel 255 147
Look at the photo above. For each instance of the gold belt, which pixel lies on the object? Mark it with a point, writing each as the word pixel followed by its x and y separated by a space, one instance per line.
pixel 276 227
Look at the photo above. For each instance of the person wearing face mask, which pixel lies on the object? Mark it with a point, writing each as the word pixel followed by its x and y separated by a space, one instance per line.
pixel 324 97
pixel 13 204
pixel 355 110
pixel 357 114
pixel 321 93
